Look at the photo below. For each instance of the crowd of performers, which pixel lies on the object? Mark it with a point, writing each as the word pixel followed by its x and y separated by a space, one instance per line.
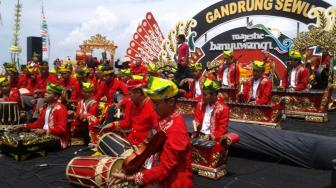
pixel 72 103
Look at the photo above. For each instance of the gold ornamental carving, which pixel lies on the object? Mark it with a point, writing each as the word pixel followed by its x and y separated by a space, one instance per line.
pixel 251 114
pixel 197 157
pixel 185 108
pixel 325 100
pixel 99 42
pixel 296 103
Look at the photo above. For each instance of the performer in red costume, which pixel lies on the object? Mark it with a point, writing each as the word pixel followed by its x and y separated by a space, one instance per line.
pixel 173 168
pixel 53 117
pixel 109 85
pixel 195 89
pixel 69 83
pixel 44 78
pixel 228 72
pixel 8 94
pixel 258 89
pixel 211 113
pixel 15 80
pixel 298 75
pixel 138 68
pixel 142 118
pixel 86 114
pixel 211 122
pixel 183 70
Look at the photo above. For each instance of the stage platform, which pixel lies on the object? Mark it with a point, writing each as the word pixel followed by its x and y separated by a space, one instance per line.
pixel 244 169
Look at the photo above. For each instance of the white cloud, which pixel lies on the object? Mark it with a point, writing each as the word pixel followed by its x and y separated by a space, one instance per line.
pixel 103 22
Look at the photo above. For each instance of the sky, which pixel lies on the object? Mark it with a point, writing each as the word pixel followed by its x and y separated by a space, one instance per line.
pixel 70 22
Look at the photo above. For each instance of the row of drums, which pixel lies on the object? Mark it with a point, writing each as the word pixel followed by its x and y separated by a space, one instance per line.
pixel 95 171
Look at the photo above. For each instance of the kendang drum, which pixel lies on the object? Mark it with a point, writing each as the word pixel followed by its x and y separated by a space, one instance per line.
pixel 112 144
pixel 9 113
pixel 89 171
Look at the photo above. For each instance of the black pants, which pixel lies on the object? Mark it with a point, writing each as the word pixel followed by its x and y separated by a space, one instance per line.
pixel 182 73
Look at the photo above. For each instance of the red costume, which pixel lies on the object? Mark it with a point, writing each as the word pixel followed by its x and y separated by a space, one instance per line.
pixel 232 76
pixel 141 120
pixel 174 165
pixel 57 122
pixel 88 112
pixel 43 81
pixel 138 70
pixel 108 89
pixel 219 117
pixel 18 81
pixel 264 91
pixel 73 85
pixel 301 79
pixel 191 94
pixel 14 96
pixel 183 53
pixel 218 123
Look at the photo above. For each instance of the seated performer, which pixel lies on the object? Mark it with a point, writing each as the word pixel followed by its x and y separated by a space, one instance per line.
pixel 8 94
pixel 258 89
pixel 53 117
pixel 228 72
pixel 138 68
pixel 109 85
pixel 15 79
pixel 69 83
pixel 86 114
pixel 173 166
pixel 211 114
pixel 195 83
pixel 42 79
pixel 297 76
pixel 142 118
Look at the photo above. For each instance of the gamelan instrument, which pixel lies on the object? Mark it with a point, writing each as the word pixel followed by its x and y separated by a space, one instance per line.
pixel 21 145
pixel 114 145
pixel 9 113
pixel 89 171
pixel 206 143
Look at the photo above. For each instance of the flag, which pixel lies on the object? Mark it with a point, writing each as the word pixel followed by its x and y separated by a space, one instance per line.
pixel 45 37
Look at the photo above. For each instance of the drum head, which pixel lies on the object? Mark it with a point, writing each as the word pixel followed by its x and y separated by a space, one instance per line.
pixel 112 144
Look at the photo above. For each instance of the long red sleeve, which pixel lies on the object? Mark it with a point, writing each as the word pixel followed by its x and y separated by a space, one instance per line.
pixel 174 167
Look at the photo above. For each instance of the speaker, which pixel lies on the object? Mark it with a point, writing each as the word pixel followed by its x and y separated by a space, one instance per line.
pixel 34 44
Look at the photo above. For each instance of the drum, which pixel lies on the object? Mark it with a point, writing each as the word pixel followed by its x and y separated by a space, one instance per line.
pixel 9 113
pixel 112 144
pixel 89 171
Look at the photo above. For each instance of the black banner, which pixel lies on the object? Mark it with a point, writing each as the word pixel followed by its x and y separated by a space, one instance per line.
pixel 227 10
pixel 243 38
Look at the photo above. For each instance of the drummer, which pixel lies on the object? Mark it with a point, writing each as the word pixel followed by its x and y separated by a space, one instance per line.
pixel 298 75
pixel 141 119
pixel 56 115
pixel 258 89
pixel 8 94
pixel 173 166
